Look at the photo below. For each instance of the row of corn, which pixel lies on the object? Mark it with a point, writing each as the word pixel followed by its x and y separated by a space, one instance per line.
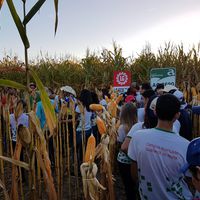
pixel 105 152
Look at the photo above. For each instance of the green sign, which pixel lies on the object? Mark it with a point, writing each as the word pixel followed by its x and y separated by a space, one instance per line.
pixel 167 76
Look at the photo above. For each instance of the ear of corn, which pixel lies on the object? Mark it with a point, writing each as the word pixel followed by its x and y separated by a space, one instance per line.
pixel 90 149
pixel 101 126
pixel 96 107
pixel 112 109
pixel 24 135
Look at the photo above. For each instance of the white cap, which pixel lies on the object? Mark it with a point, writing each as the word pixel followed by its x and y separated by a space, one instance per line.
pixel 167 88
pixel 153 104
pixel 179 95
pixel 68 89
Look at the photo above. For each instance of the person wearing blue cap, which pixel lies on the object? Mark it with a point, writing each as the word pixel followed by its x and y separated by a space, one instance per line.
pixel 193 162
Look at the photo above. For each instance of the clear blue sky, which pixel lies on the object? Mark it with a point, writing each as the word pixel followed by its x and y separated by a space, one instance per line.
pixel 95 24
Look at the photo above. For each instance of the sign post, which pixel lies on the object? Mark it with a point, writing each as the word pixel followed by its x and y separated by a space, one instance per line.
pixel 166 76
pixel 121 81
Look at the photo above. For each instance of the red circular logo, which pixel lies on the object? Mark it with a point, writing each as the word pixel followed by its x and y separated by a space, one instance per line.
pixel 122 78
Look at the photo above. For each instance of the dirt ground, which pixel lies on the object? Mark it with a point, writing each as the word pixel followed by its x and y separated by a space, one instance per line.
pixel 119 188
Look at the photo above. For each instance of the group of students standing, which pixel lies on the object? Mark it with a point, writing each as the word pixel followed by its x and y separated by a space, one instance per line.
pixel 154 137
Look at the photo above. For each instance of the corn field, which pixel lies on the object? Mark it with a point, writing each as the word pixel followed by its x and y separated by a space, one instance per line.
pixel 62 179
pixel 98 69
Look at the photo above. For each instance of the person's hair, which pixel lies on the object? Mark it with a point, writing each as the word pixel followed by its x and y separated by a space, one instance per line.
pixel 150 119
pixel 86 98
pixel 146 86
pixel 128 91
pixel 95 98
pixel 148 93
pixel 167 106
pixel 105 92
pixel 128 116
pixel 194 172
pixel 159 86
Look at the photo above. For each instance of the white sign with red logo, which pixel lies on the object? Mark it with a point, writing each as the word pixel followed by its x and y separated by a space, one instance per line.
pixel 122 81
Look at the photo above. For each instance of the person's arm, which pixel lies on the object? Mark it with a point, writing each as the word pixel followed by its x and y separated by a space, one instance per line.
pixel 133 155
pixel 134 172
pixel 125 144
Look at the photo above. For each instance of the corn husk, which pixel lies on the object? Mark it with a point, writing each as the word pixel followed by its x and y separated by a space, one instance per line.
pixel 91 185
pixel 24 135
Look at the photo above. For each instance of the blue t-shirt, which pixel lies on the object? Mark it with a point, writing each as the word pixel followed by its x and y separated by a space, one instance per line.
pixel 40 112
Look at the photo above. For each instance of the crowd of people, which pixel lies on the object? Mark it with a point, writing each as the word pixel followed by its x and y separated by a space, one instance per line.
pixel 155 135
pixel 157 157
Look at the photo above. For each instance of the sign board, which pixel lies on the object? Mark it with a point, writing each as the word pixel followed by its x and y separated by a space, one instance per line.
pixel 121 81
pixel 167 76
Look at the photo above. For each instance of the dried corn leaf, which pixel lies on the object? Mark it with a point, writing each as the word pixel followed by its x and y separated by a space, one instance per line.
pixel 4 190
pixel 47 176
pixel 16 162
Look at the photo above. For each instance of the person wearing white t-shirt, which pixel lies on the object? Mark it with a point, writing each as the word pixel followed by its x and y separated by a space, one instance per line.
pixel 83 120
pixel 146 95
pixel 158 154
pixel 128 117
pixel 150 121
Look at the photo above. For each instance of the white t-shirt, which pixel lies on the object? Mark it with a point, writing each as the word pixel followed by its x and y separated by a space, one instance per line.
pixel 121 134
pixel 22 119
pixel 176 127
pixel 140 114
pixel 103 103
pixel 139 126
pixel 122 157
pixel 160 156
pixel 138 97
pixel 87 119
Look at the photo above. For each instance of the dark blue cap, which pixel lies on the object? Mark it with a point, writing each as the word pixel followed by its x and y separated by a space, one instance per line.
pixel 193 154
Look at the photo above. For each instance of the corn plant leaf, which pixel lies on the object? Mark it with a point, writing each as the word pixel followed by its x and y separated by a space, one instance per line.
pixel 12 84
pixel 48 179
pixel 16 162
pixel 56 13
pixel 18 24
pixel 48 107
pixel 1 3
pixel 33 11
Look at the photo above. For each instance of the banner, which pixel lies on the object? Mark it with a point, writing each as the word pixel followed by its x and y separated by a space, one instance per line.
pixel 167 76
pixel 121 81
